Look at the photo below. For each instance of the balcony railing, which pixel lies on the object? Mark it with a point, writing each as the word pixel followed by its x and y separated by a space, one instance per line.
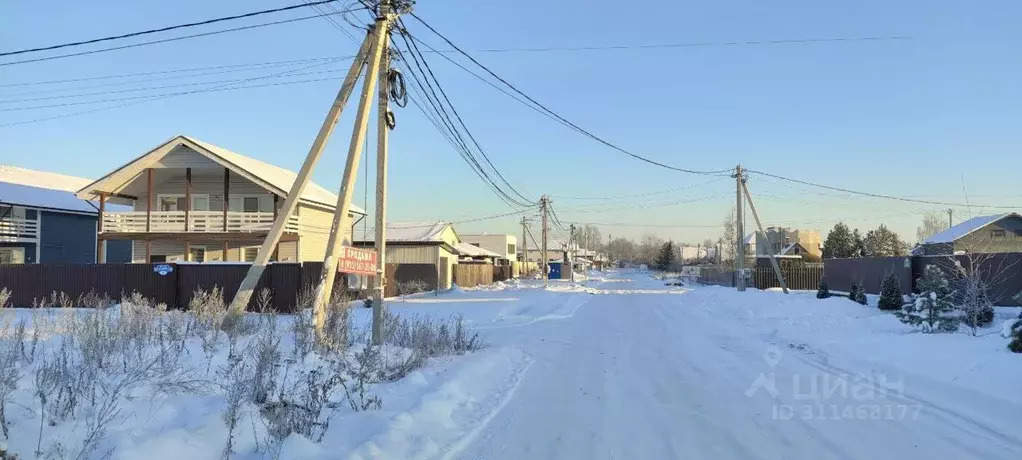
pixel 198 222
pixel 12 228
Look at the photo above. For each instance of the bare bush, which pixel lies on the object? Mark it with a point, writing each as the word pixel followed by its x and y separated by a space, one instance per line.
pixel 62 300
pixel 265 357
pixel 337 326
pixel 302 332
pixel 93 300
pixel 411 287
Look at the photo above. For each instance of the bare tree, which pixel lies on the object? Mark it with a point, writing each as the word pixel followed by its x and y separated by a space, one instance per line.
pixel 728 240
pixel 933 223
pixel 622 250
pixel 649 248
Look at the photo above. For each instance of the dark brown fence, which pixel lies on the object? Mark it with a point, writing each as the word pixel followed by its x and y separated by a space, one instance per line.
pixel 468 275
pixel 502 273
pixel 174 284
pixel 869 272
pixel 1002 272
pixel 796 275
pixel 719 276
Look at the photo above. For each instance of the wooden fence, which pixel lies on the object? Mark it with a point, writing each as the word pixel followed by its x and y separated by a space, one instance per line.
pixel 468 275
pixel 174 284
pixel 502 272
pixel 797 276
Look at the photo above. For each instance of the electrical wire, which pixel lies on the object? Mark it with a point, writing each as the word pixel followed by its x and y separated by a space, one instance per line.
pixel 165 96
pixel 444 124
pixel 692 44
pixel 559 117
pixel 877 195
pixel 416 54
pixel 165 29
pixel 618 197
pixel 165 40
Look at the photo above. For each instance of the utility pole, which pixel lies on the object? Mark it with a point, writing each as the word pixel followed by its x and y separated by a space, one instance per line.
pixel 739 232
pixel 382 132
pixel 770 253
pixel 371 57
pixel 570 255
pixel 525 249
pixel 543 200
pixel 950 217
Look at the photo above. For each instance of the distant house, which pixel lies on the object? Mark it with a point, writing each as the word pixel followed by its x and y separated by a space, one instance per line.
pixel 983 234
pixel 41 220
pixel 470 253
pixel 785 240
pixel 505 246
pixel 434 244
pixel 194 201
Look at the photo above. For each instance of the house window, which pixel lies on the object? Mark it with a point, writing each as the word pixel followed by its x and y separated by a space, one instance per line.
pixel 12 256
pixel 251 203
pixel 197 253
pixel 157 259
pixel 249 254
pixel 511 249
pixel 176 202
pixel 997 234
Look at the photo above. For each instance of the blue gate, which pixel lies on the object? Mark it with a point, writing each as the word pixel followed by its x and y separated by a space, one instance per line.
pixel 555 271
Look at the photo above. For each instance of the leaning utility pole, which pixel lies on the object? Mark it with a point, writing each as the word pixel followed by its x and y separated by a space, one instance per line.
pixel 370 58
pixel 770 252
pixel 525 250
pixel 543 201
pixel 739 253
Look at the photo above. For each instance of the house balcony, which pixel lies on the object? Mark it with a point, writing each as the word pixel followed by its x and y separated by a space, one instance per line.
pixel 240 225
pixel 19 230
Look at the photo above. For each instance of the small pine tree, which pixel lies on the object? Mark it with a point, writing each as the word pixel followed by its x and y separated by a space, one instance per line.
pixel 930 310
pixel 667 257
pixel 1016 337
pixel 857 293
pixel 822 292
pixel 890 293
pixel 860 295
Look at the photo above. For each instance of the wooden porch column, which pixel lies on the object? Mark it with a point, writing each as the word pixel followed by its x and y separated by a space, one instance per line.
pixel 188 196
pixel 276 247
pixel 188 251
pixel 227 197
pixel 101 243
pixel 149 214
pixel 227 205
pixel 149 198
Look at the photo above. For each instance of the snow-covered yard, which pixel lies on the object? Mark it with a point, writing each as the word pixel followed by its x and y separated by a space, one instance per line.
pixel 617 366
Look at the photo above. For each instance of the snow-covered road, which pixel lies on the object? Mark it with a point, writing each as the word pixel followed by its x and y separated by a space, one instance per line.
pixel 648 374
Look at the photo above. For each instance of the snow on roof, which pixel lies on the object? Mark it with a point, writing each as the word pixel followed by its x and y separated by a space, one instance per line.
pixel 43 189
pixel 275 175
pixel 472 250
pixel 955 232
pixel 42 179
pixel 751 238
pixel 411 233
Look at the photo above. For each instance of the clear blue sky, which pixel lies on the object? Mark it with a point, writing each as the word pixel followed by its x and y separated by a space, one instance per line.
pixel 916 117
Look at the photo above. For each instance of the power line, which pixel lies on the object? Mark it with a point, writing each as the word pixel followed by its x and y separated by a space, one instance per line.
pixel 618 197
pixel 878 195
pixel 413 49
pixel 165 29
pixel 165 40
pixel 559 117
pixel 158 97
pixel 239 67
pixel 691 44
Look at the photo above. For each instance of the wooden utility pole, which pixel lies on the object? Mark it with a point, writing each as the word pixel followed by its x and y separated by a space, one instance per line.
pixel 739 253
pixel 770 253
pixel 569 254
pixel 525 250
pixel 546 268
pixel 301 181
pixel 342 219
pixel 382 130
pixel 370 58
pixel 950 217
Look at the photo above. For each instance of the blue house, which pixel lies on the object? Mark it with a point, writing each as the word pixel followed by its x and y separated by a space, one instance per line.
pixel 41 220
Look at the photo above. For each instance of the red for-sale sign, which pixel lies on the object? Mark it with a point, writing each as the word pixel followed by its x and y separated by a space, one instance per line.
pixel 357 261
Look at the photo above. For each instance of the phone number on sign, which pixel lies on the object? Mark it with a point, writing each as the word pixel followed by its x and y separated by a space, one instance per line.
pixel 847 412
